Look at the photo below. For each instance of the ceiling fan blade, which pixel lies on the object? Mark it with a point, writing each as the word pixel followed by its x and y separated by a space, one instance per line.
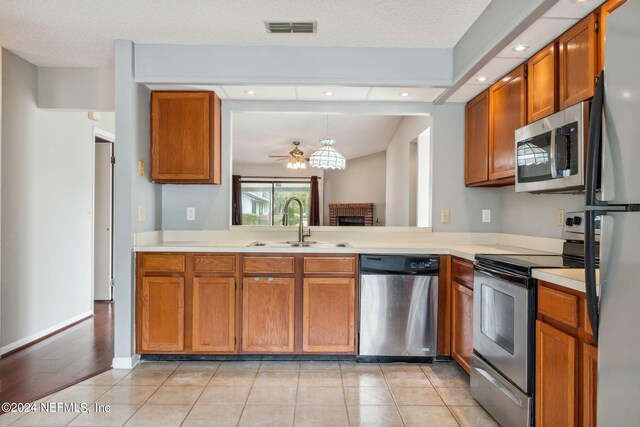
pixel 279 157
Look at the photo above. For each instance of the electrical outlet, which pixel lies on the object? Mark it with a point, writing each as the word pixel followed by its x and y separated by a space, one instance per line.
pixel 486 215
pixel 444 216
pixel 141 167
pixel 142 213
pixel 191 214
pixel 561 215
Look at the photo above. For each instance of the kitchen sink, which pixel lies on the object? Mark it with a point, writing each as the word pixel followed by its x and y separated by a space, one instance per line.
pixel 316 245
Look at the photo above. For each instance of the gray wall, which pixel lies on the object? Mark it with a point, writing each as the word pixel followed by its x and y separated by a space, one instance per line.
pixel 76 88
pixel 47 190
pixel 449 192
pixel 131 191
pixel 362 181
pixel 535 214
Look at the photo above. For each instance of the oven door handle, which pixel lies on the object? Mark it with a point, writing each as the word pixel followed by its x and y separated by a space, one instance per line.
pixel 518 280
pixel 499 386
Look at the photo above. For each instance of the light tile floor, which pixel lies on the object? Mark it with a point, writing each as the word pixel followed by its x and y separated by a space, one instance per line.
pixel 269 394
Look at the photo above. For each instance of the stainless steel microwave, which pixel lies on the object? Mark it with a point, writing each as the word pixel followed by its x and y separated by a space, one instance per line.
pixel 550 153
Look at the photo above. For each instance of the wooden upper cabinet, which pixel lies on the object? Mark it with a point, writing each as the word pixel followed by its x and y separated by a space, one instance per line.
pixel 328 322
pixel 462 325
pixel 214 302
pixel 185 137
pixel 578 49
pixel 162 314
pixel 477 140
pixel 556 368
pixel 542 83
pixel 507 112
pixel 268 305
pixel 605 10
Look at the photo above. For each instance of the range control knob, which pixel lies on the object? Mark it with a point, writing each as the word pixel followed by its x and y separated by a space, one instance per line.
pixel 569 222
pixel 577 220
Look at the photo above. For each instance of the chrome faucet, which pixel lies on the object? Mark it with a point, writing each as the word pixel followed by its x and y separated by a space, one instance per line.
pixel 285 219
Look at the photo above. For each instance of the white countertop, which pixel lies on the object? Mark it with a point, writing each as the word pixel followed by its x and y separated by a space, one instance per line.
pixel 572 278
pixel 366 240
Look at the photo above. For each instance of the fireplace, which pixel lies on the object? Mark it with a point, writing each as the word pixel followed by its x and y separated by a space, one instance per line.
pixel 351 214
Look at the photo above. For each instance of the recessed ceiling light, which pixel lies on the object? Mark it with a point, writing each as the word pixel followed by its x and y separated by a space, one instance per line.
pixel 250 92
pixel 328 93
pixel 404 94
pixel 482 79
pixel 521 47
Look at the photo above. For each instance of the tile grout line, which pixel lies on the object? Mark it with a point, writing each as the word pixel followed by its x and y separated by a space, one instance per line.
pixel 199 395
pixel 246 400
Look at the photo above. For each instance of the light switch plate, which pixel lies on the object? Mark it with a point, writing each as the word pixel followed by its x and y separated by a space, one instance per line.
pixel 191 214
pixel 486 215
pixel 142 213
pixel 444 216
pixel 561 215
pixel 141 167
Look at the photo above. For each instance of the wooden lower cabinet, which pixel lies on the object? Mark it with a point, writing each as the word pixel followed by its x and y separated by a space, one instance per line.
pixel 556 368
pixel 589 384
pixel 162 314
pixel 214 301
pixel 268 306
pixel 328 315
pixel 462 325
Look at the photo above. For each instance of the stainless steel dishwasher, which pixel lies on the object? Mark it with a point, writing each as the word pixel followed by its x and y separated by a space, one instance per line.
pixel 398 306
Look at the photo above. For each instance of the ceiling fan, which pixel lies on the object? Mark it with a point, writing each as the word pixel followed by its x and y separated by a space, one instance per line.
pixel 296 157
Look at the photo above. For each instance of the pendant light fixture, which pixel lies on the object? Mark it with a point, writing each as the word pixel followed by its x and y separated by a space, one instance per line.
pixel 327 157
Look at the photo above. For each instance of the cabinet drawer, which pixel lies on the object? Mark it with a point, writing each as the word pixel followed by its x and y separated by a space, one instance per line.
pixel 214 263
pixel 330 265
pixel 462 270
pixel 558 305
pixel 163 263
pixel 265 264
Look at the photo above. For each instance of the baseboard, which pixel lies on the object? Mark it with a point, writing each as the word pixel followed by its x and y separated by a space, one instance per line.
pixel 44 334
pixel 125 362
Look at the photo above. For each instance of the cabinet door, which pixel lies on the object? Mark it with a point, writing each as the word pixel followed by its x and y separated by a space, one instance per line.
pixel 507 112
pixel 162 314
pixel 605 10
pixel 589 384
pixel 542 84
pixel 477 140
pixel 578 62
pixel 462 325
pixel 185 137
pixel 214 302
pixel 328 322
pixel 268 314
pixel 555 377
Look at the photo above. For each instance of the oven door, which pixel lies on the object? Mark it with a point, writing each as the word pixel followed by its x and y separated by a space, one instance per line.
pixel 503 315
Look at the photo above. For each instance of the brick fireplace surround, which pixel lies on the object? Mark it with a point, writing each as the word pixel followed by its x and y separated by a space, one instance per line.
pixel 337 210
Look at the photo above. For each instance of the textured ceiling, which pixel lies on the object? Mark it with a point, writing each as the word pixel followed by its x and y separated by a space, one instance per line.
pixel 81 33
pixel 257 135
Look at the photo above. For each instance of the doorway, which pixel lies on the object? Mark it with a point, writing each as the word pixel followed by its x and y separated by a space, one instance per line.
pixel 103 216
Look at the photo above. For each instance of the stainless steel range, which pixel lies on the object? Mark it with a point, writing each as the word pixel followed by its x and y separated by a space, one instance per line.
pixel 504 312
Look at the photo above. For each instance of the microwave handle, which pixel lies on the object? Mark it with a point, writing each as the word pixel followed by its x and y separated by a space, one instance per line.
pixel 552 155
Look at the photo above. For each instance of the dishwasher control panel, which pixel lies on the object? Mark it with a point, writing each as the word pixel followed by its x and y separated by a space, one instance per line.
pixel 399 264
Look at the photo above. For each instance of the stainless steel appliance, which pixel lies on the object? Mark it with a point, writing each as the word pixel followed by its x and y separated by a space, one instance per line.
pixel 398 306
pixel 503 363
pixel 614 148
pixel 550 152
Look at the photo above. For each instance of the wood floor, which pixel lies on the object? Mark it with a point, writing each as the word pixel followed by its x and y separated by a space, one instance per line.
pixel 60 360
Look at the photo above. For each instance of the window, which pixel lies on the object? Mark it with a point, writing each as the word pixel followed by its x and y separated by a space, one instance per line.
pixel 263 202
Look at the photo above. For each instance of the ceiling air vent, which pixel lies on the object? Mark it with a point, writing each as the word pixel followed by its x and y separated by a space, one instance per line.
pixel 290 27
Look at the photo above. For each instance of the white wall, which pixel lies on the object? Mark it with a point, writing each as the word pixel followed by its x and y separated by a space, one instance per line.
pixel 399 170
pixel 81 89
pixel 362 181
pixel 535 214
pixel 47 178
